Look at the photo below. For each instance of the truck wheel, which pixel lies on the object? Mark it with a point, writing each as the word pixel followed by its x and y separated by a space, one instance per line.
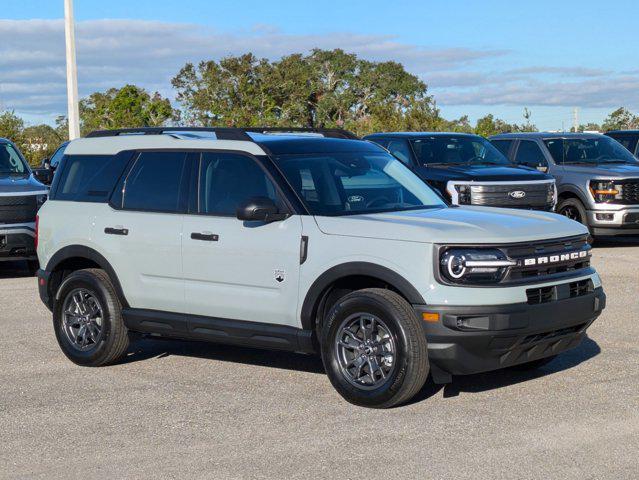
pixel 87 319
pixel 573 209
pixel 374 349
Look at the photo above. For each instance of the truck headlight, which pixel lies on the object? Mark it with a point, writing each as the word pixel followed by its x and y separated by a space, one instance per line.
pixel 606 191
pixel 473 266
pixel 463 194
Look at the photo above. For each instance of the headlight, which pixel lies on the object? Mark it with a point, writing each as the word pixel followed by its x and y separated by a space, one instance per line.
pixel 473 266
pixel 463 194
pixel 606 191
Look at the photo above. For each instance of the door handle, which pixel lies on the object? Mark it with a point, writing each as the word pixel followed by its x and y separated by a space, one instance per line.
pixel 116 231
pixel 205 236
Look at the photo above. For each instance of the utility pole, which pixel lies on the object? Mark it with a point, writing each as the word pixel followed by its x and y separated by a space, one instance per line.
pixel 72 72
pixel 575 119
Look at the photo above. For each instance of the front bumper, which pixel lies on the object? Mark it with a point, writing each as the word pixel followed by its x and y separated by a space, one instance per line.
pixel 622 221
pixel 477 339
pixel 17 242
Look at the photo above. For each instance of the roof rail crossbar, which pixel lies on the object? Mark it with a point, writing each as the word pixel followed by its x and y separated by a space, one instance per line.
pixel 221 133
pixel 327 132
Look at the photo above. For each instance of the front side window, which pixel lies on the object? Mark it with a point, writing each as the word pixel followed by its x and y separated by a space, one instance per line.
pixel 157 182
pixel 227 180
pixel 457 150
pixel 530 155
pixel 57 156
pixel 588 151
pixel 502 145
pixel 355 182
pixel 401 149
pixel 11 161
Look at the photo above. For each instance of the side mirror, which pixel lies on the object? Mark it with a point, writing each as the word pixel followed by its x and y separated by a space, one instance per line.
pixel 259 209
pixel 43 175
pixel 542 168
pixel 46 163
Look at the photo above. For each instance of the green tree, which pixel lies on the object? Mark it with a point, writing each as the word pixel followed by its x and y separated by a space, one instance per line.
pixel 129 106
pixel 489 125
pixel 40 142
pixel 11 127
pixel 620 119
pixel 326 88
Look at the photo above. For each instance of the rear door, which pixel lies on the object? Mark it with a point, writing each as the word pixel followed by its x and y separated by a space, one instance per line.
pixel 141 231
pixel 234 269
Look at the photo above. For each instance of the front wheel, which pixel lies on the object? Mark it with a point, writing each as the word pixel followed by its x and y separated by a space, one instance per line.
pixel 573 209
pixel 87 319
pixel 374 349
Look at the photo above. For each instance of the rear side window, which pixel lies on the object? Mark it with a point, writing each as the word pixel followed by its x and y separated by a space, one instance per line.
pixel 503 146
pixel 88 178
pixel 157 182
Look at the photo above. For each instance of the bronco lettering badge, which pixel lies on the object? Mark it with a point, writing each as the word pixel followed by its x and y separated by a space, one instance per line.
pixel 560 257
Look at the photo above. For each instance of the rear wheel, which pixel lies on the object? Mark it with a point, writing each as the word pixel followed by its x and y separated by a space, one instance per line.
pixel 374 349
pixel 87 319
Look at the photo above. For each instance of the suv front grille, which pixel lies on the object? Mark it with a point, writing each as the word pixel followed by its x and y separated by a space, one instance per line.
pixel 537 296
pixel 18 209
pixel 533 195
pixel 554 258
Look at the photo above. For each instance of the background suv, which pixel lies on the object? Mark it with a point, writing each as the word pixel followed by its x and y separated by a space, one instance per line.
pixel 303 243
pixel 21 195
pixel 468 170
pixel 597 178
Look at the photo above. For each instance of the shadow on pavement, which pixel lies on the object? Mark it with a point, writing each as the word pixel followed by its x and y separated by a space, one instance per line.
pixel 146 348
pixel 15 270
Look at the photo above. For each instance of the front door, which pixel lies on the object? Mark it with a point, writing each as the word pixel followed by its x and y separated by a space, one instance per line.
pixel 233 269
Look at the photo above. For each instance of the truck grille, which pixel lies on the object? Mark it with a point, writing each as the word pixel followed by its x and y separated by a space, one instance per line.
pixel 551 258
pixel 630 191
pixel 18 209
pixel 533 195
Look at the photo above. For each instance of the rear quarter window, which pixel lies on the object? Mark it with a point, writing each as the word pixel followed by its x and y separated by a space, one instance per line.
pixel 88 178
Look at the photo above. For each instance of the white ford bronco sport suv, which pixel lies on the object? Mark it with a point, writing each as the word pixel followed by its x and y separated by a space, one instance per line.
pixel 311 242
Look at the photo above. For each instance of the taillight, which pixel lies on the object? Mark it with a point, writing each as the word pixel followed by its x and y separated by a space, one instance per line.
pixel 36 231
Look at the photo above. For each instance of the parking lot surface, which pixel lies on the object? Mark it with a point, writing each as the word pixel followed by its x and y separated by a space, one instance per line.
pixel 191 410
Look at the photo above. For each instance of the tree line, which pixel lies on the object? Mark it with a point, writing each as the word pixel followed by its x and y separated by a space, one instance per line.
pixel 324 88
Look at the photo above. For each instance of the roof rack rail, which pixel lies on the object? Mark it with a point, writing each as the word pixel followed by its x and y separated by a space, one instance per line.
pixel 224 133
pixel 327 132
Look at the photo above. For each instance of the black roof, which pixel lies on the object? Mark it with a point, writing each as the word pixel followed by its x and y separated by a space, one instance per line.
pixel 300 144
pixel 623 132
pixel 544 135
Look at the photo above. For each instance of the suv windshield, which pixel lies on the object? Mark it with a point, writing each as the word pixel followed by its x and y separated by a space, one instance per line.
pixel 588 150
pixel 348 183
pixel 457 150
pixel 11 161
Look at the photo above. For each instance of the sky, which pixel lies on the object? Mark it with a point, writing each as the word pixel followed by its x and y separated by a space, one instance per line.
pixel 477 57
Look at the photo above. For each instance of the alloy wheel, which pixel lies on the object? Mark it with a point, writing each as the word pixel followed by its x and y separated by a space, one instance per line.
pixel 82 319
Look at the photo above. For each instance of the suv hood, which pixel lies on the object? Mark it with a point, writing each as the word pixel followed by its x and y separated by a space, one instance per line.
pixel 615 170
pixel 15 184
pixel 488 173
pixel 470 225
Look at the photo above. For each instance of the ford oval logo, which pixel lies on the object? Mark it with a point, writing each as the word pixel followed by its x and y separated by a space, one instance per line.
pixel 517 194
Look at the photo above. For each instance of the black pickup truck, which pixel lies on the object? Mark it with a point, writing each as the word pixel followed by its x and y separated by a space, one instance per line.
pixel 469 170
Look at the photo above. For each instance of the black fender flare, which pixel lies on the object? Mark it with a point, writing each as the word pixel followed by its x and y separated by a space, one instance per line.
pixel 575 190
pixel 81 251
pixel 386 275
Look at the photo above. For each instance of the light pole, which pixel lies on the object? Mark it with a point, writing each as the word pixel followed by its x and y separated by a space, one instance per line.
pixel 72 72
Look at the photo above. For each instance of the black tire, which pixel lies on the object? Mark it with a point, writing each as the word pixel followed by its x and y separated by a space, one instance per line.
pixel 535 364
pixel 410 361
pixel 573 209
pixel 113 341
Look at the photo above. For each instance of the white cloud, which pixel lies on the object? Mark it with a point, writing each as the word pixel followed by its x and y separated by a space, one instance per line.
pixel 150 53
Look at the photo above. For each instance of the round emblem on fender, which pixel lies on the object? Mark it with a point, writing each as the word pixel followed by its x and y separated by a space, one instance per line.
pixel 517 194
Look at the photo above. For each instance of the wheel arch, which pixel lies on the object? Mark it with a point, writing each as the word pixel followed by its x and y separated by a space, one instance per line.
pixel 571 191
pixel 363 275
pixel 76 257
